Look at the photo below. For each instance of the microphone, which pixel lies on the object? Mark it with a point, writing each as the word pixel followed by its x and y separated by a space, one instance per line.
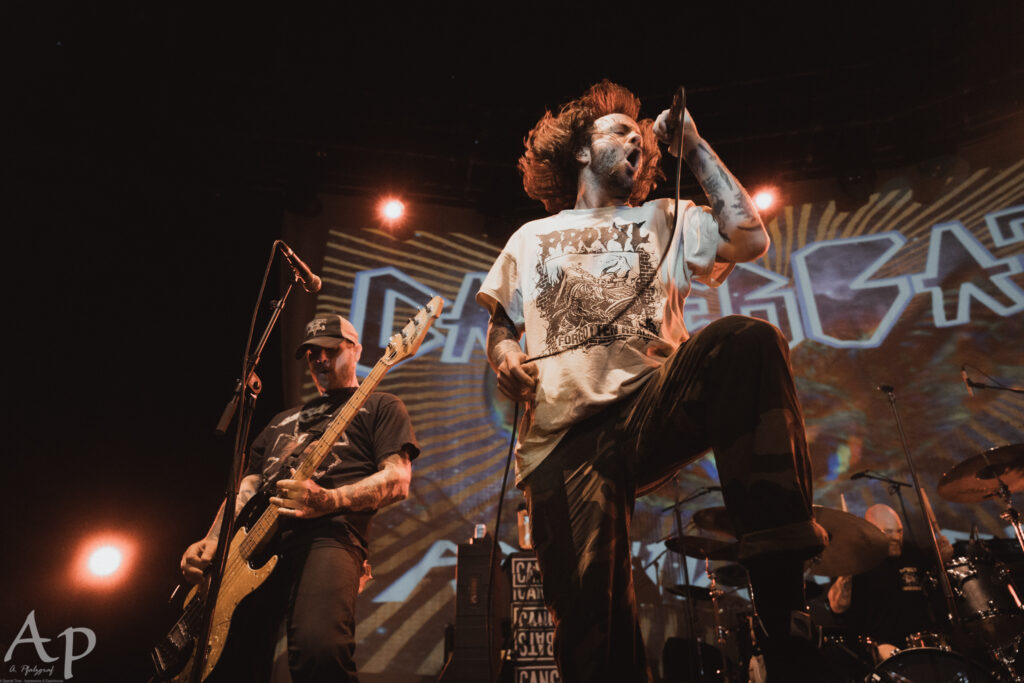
pixel 307 278
pixel 967 382
pixel 860 475
pixel 678 105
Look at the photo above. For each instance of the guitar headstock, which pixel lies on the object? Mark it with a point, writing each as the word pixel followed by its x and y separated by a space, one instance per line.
pixel 407 342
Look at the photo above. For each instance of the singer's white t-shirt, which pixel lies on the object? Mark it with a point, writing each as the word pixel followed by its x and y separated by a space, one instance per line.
pixel 581 284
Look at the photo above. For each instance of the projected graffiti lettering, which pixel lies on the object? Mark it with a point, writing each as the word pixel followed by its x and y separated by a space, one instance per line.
pixel 378 291
pixel 961 270
pixel 465 326
pixel 842 305
pixel 835 296
pixel 1006 226
pixel 760 293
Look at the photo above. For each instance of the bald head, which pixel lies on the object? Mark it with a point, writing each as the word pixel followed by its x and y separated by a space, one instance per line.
pixel 888 522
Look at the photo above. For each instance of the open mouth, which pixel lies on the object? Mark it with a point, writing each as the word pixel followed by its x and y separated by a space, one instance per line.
pixel 633 160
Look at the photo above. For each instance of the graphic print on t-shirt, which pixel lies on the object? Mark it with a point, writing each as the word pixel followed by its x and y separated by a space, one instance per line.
pixel 593 285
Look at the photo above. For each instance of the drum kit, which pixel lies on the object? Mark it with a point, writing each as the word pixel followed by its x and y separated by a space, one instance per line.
pixel 981 640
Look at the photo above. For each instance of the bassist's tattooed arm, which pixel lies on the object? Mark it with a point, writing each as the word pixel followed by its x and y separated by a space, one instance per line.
pixel 306 499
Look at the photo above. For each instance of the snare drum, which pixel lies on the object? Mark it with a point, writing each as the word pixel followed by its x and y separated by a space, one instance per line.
pixel 985 601
pixel 928 665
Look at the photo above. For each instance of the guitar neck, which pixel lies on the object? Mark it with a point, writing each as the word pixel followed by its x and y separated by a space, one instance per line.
pixel 265 526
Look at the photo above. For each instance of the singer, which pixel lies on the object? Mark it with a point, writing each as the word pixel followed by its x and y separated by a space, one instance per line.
pixel 620 395
pixel 325 519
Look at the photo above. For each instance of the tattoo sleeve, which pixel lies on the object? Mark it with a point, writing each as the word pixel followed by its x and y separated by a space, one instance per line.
pixel 502 336
pixel 730 203
pixel 388 485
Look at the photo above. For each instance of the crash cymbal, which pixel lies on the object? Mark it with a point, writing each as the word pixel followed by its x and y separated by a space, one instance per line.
pixel 702 597
pixel 980 477
pixel 855 544
pixel 702 547
pixel 714 519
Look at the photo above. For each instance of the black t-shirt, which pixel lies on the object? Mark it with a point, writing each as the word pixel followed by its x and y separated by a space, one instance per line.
pixel 891 601
pixel 380 428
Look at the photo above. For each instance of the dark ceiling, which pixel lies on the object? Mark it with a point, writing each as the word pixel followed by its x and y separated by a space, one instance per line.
pixel 435 100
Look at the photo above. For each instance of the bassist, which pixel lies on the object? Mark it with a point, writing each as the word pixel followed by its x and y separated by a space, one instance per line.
pixel 323 519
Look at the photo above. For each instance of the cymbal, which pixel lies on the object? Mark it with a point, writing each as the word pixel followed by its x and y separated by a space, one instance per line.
pixel 732 575
pixel 714 519
pixel 702 547
pixel 980 477
pixel 701 594
pixel 855 544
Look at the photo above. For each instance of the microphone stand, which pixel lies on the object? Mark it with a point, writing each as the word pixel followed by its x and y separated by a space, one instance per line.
pixel 894 488
pixel 246 399
pixel 947 588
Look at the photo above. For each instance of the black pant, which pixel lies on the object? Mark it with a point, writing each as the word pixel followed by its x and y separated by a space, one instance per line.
pixel 313 588
pixel 729 387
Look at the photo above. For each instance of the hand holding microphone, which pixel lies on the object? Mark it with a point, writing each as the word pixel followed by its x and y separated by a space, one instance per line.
pixel 666 126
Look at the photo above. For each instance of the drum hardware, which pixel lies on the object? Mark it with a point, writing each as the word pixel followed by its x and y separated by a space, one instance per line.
pixel 989 608
pixel 928 665
pixel 687 545
pixel 995 473
pixel 931 639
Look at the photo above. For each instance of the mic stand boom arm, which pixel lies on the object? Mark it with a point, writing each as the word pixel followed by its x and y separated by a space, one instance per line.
pixel 894 488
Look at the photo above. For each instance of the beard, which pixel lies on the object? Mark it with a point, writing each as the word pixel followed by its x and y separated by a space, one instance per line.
pixel 612 171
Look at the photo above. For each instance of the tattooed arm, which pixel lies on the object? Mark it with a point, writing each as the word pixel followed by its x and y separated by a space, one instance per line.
pixel 744 237
pixel 516 380
pixel 307 499
pixel 198 555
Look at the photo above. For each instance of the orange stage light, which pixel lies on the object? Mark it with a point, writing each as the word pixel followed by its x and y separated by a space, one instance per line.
pixel 103 561
pixel 765 199
pixel 392 209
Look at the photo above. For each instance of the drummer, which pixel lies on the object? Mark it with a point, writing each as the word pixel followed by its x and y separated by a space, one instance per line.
pixel 890 602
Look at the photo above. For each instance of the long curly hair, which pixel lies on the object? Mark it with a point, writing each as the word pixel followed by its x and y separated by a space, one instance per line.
pixel 549 166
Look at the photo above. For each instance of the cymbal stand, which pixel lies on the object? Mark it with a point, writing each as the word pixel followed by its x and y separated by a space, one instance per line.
pixel 691 618
pixel 1011 514
pixel 716 593
pixel 947 588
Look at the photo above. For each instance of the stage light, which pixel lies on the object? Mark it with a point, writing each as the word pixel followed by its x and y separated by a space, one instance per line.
pixel 392 209
pixel 103 560
pixel 765 199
